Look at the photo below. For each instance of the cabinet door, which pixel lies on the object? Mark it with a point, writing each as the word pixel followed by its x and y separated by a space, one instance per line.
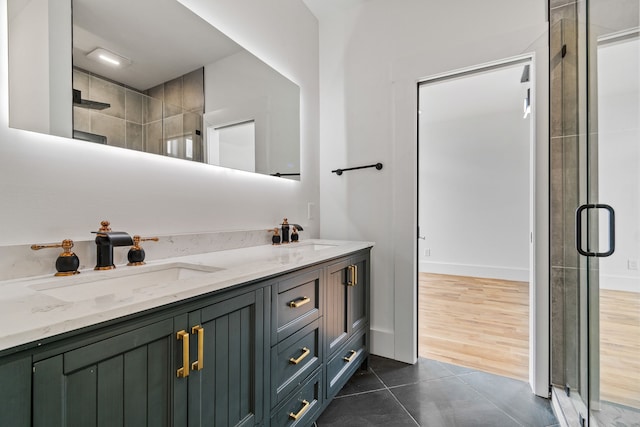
pixel 358 293
pixel 228 390
pixel 119 381
pixel 15 392
pixel 336 319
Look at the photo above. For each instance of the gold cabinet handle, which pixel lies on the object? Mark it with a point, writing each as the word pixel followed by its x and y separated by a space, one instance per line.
pixel 305 406
pixel 305 353
pixel 352 275
pixel 184 337
pixel 299 302
pixel 350 358
pixel 199 364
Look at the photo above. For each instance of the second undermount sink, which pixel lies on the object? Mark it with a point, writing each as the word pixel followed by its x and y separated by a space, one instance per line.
pixel 129 280
pixel 307 246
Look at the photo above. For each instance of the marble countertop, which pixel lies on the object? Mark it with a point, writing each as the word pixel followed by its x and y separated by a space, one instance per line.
pixel 35 308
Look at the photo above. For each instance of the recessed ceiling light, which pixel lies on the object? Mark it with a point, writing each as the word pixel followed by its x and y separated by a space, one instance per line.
pixel 107 57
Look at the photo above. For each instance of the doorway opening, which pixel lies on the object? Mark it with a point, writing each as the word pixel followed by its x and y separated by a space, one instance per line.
pixel 475 204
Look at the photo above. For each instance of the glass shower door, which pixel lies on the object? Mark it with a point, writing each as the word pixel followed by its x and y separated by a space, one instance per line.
pixel 608 223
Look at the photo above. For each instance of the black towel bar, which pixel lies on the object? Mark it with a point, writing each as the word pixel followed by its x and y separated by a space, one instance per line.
pixel 338 172
pixel 278 174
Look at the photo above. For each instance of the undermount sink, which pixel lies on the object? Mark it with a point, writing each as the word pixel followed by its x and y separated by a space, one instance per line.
pixel 120 282
pixel 307 246
pixel 319 247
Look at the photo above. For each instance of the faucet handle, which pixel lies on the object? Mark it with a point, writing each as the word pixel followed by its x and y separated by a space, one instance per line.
pixel 104 227
pixel 275 239
pixel 67 263
pixel 136 253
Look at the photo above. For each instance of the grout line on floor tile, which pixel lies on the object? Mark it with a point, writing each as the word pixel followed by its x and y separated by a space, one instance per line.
pixel 395 398
pixel 446 368
pixel 418 382
pixel 492 403
pixel 466 374
pixel 360 393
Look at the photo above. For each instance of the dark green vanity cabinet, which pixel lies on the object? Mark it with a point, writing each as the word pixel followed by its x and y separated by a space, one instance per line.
pixel 132 378
pixel 15 390
pixel 121 380
pixel 297 348
pixel 347 319
pixel 269 353
pixel 225 385
pixel 347 300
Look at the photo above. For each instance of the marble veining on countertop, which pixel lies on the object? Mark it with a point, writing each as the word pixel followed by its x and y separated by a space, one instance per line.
pixel 35 308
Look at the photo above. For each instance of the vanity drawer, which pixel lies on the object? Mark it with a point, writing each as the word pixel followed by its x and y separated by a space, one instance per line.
pixel 296 304
pixel 301 407
pixel 294 359
pixel 346 361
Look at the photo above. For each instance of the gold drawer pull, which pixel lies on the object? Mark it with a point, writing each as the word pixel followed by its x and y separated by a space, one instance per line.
pixel 184 337
pixel 350 358
pixel 305 406
pixel 199 364
pixel 300 302
pixel 305 353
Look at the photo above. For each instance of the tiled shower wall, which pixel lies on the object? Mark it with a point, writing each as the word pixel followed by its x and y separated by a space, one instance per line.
pixel 573 182
pixel 142 121
pixel 566 134
pixel 181 114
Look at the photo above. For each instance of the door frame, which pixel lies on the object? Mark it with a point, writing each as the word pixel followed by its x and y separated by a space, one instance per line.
pixel 538 267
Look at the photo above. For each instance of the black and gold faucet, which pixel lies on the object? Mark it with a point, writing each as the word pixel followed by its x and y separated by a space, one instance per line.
pixel 106 240
pixel 285 227
pixel 136 253
pixel 67 263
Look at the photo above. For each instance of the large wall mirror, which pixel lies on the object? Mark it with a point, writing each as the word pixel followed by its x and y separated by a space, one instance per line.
pixel 149 75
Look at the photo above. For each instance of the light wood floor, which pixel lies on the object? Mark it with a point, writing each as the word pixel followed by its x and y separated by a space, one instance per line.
pixel 620 347
pixel 484 324
pixel 478 323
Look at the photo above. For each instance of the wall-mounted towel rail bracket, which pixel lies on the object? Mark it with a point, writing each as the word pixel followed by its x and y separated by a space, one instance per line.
pixel 278 174
pixel 338 172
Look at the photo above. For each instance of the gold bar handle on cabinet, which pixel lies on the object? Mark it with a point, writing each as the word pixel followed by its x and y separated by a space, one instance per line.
pixel 305 406
pixel 305 353
pixel 300 302
pixel 355 274
pixel 351 356
pixel 184 337
pixel 199 364
pixel 352 280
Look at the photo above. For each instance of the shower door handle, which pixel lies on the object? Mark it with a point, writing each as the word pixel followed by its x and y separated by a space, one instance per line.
pixel 612 230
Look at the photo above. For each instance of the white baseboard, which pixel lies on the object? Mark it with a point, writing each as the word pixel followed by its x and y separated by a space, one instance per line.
pixel 485 271
pixel 619 283
pixel 382 343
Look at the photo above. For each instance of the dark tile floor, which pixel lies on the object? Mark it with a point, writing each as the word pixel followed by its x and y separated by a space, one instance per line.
pixel 432 393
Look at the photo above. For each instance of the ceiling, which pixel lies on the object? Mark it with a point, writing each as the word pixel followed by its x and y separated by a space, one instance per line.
pixel 162 38
pixel 322 8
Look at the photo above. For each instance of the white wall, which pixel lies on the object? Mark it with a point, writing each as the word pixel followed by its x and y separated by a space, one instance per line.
pixel 474 176
pixel 239 88
pixel 371 56
pixel 40 87
pixel 54 188
pixel 619 161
